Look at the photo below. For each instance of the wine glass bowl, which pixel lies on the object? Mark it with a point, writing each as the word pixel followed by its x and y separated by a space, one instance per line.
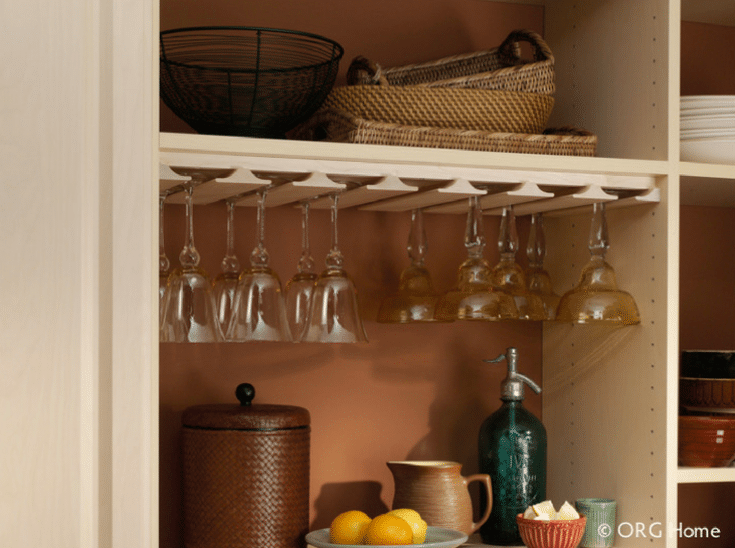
pixel 259 309
pixel 596 297
pixel 189 311
pixel 334 315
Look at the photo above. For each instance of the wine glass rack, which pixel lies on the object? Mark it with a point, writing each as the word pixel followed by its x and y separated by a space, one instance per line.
pixel 404 185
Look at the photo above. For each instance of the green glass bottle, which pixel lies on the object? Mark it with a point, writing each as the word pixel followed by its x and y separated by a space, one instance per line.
pixel 512 447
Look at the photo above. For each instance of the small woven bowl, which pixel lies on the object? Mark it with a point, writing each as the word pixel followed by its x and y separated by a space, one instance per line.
pixel 706 442
pixel 551 534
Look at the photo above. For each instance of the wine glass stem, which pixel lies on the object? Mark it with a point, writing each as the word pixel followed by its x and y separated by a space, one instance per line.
pixel 334 258
pixel 474 239
pixel 163 263
pixel 306 262
pixel 189 256
pixel 599 242
pixel 230 264
pixel 259 256
pixel 417 245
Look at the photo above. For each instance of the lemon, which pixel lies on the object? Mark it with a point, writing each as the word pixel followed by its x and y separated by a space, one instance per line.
pixel 349 527
pixel 387 529
pixel 567 511
pixel 546 507
pixel 413 518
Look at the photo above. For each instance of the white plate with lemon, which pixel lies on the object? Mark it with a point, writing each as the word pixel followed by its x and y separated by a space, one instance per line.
pixel 436 537
pixel 401 527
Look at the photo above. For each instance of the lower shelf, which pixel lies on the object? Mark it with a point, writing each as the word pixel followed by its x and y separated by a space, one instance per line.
pixel 705 475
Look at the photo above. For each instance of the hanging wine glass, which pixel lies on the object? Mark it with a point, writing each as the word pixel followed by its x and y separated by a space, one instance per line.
pixel 164 264
pixel 508 274
pixel 259 310
pixel 300 288
pixel 415 300
pixel 537 278
pixel 475 297
pixel 596 297
pixel 334 316
pixel 189 311
pixel 226 281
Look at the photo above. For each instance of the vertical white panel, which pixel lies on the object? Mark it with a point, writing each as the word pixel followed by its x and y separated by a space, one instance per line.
pixel 605 388
pixel 612 72
pixel 44 106
pixel 133 244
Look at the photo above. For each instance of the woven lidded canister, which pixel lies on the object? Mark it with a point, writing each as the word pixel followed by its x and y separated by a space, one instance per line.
pixel 246 474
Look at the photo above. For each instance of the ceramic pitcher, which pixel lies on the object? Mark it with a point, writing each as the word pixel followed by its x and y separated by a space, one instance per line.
pixel 438 491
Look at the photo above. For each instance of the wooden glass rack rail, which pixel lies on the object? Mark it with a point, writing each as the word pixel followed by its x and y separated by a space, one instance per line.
pixel 399 179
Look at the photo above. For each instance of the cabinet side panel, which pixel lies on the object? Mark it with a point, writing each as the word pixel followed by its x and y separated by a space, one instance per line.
pixel 605 387
pixel 612 73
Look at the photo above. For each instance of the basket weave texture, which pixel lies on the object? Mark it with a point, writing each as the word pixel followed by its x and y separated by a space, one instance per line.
pixel 342 127
pixel 246 488
pixel 500 68
pixel 483 110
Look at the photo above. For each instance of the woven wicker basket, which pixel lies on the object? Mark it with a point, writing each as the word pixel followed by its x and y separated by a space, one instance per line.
pixel 500 68
pixel 246 475
pixel 343 127
pixel 457 108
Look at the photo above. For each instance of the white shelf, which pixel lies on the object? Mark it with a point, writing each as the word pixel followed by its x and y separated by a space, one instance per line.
pixel 381 178
pixel 705 475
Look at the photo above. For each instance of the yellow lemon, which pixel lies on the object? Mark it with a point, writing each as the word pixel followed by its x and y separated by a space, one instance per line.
pixel 387 529
pixel 414 519
pixel 349 527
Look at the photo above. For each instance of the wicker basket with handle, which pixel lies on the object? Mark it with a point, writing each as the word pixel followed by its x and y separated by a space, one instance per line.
pixel 246 474
pixel 342 127
pixel 500 68
pixel 457 108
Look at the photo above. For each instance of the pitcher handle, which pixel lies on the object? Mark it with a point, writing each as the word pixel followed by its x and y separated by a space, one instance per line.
pixel 484 479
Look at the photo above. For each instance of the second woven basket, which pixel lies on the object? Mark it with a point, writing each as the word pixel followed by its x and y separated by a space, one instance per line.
pixel 474 109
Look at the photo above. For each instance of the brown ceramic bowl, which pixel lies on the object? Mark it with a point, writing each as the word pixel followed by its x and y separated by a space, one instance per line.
pixel 706 442
pixel 707 395
pixel 551 534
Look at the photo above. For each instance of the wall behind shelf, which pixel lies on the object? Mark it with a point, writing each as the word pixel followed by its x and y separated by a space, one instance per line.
pixel 388 32
pixel 414 391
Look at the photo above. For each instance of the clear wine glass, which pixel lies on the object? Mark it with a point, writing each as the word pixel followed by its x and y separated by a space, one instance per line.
pixel 259 311
pixel 225 283
pixel 508 274
pixel 300 288
pixel 189 311
pixel 596 297
pixel 334 316
pixel 537 278
pixel 474 297
pixel 415 300
pixel 164 264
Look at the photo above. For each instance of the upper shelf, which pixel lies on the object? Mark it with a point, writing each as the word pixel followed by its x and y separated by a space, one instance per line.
pixel 400 179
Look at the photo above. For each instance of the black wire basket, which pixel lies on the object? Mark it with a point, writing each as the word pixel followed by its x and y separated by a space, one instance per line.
pixel 246 81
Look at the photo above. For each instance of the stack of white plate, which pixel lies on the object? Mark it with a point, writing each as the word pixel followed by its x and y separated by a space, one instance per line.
pixel 708 128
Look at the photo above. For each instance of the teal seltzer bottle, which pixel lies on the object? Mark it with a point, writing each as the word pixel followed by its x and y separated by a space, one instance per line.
pixel 512 451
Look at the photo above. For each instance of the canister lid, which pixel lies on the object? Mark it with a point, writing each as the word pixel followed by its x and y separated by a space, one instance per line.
pixel 246 415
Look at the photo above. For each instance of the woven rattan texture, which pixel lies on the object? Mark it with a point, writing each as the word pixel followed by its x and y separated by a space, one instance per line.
pixel 474 109
pixel 500 68
pixel 246 489
pixel 335 126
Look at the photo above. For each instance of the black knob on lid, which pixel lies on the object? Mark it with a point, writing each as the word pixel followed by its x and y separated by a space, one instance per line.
pixel 245 392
